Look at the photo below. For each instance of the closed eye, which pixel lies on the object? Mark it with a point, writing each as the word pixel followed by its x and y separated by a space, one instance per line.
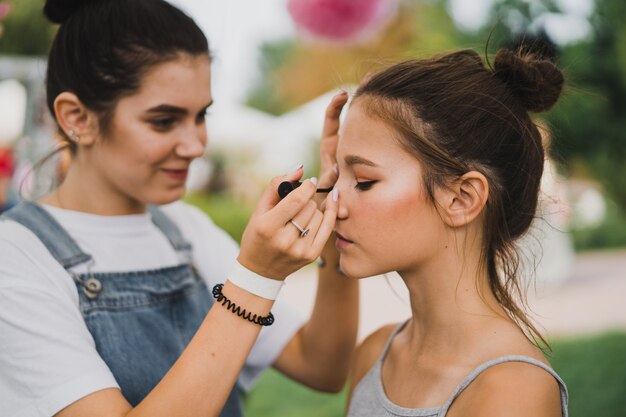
pixel 364 185
pixel 201 117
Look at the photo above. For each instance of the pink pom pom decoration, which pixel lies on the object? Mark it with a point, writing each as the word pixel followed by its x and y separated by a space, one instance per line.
pixel 340 20
pixel 5 9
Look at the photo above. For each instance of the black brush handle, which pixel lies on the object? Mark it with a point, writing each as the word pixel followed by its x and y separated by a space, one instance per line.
pixel 286 187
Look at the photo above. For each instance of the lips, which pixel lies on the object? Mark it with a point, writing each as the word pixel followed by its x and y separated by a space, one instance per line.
pixel 340 236
pixel 177 174
pixel 342 242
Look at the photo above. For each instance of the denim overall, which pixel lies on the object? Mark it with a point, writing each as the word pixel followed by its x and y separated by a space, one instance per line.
pixel 141 321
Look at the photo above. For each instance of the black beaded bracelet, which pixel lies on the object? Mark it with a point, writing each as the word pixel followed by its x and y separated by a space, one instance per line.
pixel 253 318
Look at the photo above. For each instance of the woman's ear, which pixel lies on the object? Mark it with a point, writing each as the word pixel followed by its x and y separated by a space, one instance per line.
pixel 79 123
pixel 464 200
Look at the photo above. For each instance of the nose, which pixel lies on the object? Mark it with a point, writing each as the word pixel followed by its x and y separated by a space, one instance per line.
pixel 342 211
pixel 192 143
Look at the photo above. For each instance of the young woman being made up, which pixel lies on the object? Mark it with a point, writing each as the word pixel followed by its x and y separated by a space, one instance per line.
pixel 439 172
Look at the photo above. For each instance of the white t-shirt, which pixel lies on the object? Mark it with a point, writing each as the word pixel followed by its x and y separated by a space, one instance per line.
pixel 48 357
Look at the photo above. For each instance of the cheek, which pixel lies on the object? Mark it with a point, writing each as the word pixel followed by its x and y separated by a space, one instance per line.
pixel 399 204
pixel 402 215
pixel 137 145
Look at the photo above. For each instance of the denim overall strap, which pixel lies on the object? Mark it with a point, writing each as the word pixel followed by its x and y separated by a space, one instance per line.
pixel 58 242
pixel 169 229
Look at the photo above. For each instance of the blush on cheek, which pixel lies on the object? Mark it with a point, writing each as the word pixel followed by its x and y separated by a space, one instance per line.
pixel 404 207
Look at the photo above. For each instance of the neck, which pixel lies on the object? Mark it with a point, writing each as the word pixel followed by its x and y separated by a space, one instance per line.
pixel 81 191
pixel 451 302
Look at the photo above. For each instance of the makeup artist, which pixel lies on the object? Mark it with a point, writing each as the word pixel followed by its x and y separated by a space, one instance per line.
pixel 116 299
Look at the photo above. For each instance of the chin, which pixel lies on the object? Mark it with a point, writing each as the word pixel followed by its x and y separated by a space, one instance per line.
pixel 167 197
pixel 357 270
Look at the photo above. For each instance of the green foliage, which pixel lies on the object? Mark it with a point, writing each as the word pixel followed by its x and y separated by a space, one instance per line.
pixel 228 213
pixel 589 121
pixel 592 367
pixel 611 233
pixel 263 95
pixel 595 373
pixel 26 30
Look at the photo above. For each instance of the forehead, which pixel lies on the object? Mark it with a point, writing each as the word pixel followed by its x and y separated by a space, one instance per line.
pixel 371 138
pixel 184 81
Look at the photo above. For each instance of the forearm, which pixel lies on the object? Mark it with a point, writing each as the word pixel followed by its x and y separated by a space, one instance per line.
pixel 201 379
pixel 329 338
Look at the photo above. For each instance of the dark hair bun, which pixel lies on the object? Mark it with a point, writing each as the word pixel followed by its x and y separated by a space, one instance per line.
pixel 536 82
pixel 58 11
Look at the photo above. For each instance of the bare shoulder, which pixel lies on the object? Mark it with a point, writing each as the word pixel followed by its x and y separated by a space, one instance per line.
pixel 368 352
pixel 512 389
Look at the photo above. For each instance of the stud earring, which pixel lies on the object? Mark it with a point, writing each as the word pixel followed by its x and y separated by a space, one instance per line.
pixel 73 136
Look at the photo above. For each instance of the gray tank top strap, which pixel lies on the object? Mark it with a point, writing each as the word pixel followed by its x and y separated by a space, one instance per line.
pixel 58 242
pixel 511 358
pixel 393 335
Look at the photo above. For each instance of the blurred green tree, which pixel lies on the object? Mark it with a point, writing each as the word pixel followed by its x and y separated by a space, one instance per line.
pixel 592 122
pixel 589 122
pixel 25 30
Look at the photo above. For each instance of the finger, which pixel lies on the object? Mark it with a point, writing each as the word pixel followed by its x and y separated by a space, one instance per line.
pixel 295 201
pixel 315 222
pixel 328 220
pixel 330 177
pixel 331 120
pixel 270 196
pixel 303 218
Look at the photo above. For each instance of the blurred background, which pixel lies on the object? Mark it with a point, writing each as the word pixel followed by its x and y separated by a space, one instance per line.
pixel 276 63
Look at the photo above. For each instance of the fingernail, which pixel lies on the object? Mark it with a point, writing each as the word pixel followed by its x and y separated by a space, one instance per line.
pixel 296 169
pixel 335 194
pixel 336 169
pixel 313 180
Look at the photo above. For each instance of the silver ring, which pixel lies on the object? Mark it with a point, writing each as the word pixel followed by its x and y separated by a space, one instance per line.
pixel 303 231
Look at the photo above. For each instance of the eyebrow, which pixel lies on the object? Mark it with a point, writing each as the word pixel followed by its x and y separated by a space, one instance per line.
pixel 358 160
pixel 167 108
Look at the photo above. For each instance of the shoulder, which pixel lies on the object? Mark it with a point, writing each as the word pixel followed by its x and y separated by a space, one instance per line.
pixel 26 264
pixel 24 259
pixel 368 352
pixel 512 389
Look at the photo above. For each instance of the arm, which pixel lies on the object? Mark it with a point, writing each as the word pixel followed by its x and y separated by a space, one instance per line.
pixel 199 382
pixel 319 355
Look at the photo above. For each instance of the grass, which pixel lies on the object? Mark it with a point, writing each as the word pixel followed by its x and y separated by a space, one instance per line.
pixel 277 396
pixel 593 367
pixel 594 370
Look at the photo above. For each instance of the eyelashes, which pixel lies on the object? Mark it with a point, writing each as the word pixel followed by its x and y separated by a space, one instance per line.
pixel 364 185
pixel 167 122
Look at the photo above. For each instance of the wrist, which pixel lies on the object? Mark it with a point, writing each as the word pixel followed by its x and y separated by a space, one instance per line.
pixel 254 283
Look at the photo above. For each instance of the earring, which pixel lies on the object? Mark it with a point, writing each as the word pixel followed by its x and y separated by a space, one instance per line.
pixel 73 136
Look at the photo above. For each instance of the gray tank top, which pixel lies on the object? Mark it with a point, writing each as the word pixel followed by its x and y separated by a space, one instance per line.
pixel 369 398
